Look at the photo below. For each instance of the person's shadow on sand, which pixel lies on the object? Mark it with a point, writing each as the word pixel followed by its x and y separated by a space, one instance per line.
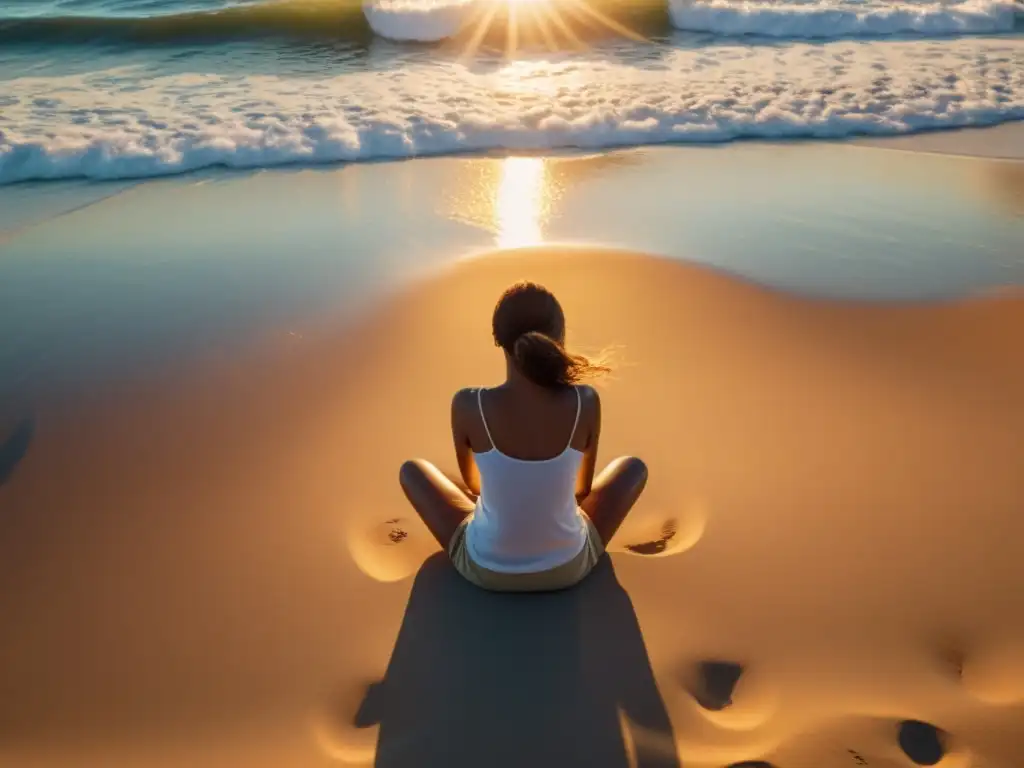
pixel 483 679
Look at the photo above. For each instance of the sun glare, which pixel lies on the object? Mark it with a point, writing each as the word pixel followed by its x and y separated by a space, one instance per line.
pixel 512 198
pixel 521 202
pixel 552 23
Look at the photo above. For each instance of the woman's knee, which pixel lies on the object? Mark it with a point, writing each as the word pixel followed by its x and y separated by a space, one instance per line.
pixel 412 472
pixel 632 475
pixel 633 468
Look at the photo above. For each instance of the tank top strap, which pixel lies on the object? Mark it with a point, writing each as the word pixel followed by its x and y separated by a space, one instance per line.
pixel 480 406
pixel 576 422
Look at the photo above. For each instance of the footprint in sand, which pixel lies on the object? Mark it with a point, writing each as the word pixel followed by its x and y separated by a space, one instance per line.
pixel 656 546
pixel 661 537
pixel 872 741
pixel 728 695
pixel 395 530
pixel 391 550
pixel 951 659
pixel 345 728
pixel 921 742
pixel 712 683
pixel 991 671
pixel 994 674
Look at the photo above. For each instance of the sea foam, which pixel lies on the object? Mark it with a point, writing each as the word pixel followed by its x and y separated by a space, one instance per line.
pixel 121 124
pixel 417 20
pixel 834 19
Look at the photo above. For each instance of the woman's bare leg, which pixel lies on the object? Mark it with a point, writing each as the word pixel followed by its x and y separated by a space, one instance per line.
pixel 440 503
pixel 613 494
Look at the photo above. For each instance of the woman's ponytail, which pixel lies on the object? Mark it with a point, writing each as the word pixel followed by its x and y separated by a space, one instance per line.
pixel 529 325
pixel 545 362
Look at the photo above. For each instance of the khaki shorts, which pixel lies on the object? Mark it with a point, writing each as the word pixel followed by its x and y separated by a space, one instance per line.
pixel 559 577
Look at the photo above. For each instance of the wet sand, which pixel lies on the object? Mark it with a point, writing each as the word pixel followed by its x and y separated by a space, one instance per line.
pixel 202 567
pixel 142 281
pixel 1004 141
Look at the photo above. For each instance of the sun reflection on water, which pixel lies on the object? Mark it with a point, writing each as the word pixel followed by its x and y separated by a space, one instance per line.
pixel 522 202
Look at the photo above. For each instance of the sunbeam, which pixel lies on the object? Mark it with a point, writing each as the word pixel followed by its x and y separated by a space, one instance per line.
pixel 549 24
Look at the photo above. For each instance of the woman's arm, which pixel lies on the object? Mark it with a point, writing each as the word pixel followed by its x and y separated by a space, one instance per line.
pixel 592 412
pixel 463 450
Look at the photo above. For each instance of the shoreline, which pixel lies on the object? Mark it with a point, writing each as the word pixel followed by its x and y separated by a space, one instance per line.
pixel 97 292
pixel 1001 142
pixel 29 204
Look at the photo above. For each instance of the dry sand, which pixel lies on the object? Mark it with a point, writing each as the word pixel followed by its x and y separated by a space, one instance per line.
pixel 218 569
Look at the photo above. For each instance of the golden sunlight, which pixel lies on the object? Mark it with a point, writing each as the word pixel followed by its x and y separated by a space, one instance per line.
pixel 521 202
pixel 513 198
pixel 551 23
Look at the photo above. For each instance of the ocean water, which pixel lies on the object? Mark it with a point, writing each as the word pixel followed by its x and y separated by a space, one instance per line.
pixel 111 89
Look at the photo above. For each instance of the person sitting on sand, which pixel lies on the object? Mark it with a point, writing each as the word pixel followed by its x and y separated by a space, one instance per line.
pixel 531 516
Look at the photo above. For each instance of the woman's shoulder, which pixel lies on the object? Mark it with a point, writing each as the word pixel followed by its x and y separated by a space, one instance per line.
pixel 590 406
pixel 466 401
pixel 588 395
pixel 465 397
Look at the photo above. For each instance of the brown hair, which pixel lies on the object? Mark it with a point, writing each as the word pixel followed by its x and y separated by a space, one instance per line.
pixel 529 325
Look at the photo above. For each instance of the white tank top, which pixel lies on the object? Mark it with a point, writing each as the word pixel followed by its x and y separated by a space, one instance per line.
pixel 526 519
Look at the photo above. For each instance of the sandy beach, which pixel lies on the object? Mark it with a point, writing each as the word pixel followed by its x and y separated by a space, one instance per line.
pixel 206 560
